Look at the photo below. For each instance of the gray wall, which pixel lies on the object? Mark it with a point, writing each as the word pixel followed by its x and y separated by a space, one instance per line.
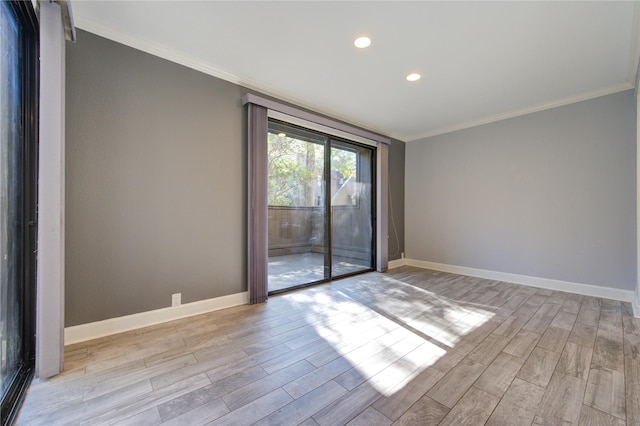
pixel 396 203
pixel 156 183
pixel 550 194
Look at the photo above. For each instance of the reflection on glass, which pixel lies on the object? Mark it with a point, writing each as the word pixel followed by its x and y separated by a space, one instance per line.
pixel 296 206
pixel 351 204
pixel 10 200
pixel 320 199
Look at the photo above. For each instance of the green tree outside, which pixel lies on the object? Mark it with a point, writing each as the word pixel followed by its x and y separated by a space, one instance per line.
pixel 295 170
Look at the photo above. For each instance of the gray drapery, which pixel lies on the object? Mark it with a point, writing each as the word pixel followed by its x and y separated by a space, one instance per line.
pixel 257 204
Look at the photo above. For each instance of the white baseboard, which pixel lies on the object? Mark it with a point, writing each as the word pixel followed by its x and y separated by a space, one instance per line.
pixel 397 263
pixel 570 287
pixel 93 330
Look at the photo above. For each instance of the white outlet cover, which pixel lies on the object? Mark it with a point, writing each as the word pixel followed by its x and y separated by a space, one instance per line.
pixel 176 299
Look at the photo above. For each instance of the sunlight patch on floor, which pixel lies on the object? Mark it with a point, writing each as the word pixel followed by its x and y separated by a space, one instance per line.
pixel 389 336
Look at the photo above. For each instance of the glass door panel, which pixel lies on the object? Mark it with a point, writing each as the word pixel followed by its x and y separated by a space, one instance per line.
pixel 11 320
pixel 351 208
pixel 18 44
pixel 320 207
pixel 298 250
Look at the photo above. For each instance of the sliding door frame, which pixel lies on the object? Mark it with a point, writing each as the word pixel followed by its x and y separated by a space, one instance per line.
pixel 328 220
pixel 257 218
pixel 330 142
pixel 29 39
pixel 373 208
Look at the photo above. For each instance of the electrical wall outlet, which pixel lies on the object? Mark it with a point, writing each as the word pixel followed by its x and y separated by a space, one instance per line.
pixel 176 299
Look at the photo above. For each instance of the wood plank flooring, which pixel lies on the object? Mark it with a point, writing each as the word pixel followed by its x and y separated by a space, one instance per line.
pixel 408 347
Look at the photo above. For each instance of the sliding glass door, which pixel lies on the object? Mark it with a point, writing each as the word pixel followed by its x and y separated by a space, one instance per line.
pixel 18 121
pixel 351 208
pixel 320 206
pixel 296 207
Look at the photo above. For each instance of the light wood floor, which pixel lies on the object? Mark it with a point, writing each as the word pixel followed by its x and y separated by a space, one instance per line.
pixel 407 347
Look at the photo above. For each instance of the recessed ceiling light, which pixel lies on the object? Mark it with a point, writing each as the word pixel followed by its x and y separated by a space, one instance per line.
pixel 413 77
pixel 282 134
pixel 362 42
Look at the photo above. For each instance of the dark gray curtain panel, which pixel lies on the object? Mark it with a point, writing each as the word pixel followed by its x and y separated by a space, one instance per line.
pixel 257 204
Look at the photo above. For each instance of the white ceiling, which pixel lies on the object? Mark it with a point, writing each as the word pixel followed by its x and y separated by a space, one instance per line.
pixel 480 61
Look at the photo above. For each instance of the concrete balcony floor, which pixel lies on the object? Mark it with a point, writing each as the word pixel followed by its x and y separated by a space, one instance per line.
pixel 296 269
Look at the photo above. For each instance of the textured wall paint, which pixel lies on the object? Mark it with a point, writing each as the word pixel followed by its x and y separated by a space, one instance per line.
pixel 156 183
pixel 550 194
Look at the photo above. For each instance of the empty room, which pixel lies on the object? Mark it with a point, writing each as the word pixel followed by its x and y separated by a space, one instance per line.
pixel 319 213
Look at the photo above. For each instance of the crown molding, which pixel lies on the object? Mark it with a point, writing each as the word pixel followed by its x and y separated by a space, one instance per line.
pixel 155 49
pixel 199 65
pixel 528 110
